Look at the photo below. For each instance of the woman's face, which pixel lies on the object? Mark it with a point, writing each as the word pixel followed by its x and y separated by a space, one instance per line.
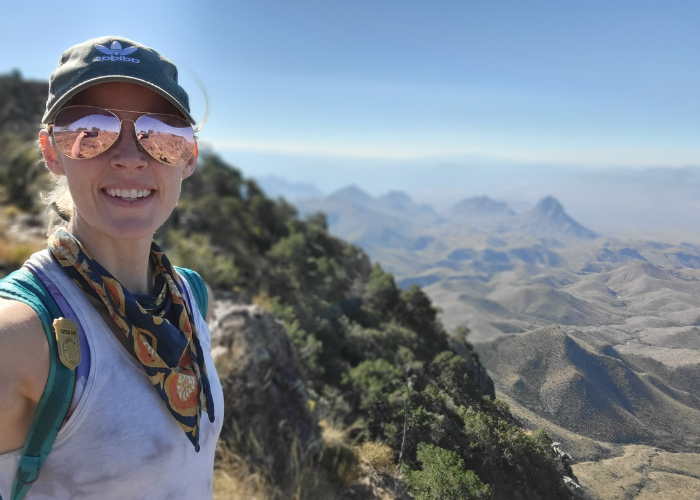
pixel 124 166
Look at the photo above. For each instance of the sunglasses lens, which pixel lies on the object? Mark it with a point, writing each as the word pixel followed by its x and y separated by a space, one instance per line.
pixel 166 138
pixel 84 131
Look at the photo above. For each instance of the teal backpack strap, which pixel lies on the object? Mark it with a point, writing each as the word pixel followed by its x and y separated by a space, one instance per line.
pixel 25 287
pixel 199 289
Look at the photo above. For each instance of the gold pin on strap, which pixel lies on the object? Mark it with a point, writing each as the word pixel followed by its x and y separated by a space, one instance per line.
pixel 68 343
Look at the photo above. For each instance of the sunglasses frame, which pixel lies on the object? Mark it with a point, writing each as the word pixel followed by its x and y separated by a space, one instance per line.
pixel 119 132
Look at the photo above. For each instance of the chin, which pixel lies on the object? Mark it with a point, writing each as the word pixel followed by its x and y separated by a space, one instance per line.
pixel 131 229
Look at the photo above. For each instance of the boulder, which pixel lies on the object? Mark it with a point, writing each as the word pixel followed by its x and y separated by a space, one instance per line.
pixel 477 371
pixel 267 419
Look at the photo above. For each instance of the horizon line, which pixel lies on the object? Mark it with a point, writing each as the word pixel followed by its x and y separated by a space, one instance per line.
pixel 393 155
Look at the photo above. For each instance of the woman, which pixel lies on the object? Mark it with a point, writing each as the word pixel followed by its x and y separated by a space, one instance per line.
pixel 146 410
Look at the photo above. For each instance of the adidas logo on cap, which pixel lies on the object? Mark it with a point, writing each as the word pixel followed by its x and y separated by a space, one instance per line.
pixel 116 53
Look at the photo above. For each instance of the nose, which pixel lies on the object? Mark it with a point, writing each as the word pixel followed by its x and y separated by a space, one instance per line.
pixel 127 152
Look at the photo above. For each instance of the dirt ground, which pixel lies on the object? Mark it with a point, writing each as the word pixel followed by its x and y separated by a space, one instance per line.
pixel 642 473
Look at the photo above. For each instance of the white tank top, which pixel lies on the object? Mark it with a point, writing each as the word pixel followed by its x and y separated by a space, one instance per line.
pixel 121 442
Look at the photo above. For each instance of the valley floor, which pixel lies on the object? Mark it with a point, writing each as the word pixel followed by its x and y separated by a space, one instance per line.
pixel 609 471
pixel 642 473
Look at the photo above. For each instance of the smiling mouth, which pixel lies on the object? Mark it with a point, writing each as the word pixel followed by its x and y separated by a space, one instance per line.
pixel 128 194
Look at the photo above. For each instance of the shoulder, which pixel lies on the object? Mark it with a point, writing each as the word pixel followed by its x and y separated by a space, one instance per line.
pixel 24 351
pixel 200 291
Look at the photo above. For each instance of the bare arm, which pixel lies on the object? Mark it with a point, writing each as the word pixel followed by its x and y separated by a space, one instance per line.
pixel 75 150
pixel 24 369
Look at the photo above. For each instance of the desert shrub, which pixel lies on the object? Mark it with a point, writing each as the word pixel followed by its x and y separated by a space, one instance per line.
pixel 517 461
pixel 381 296
pixel 443 476
pixel 13 254
pixel 375 382
pixel 196 252
pixel 22 175
pixel 377 456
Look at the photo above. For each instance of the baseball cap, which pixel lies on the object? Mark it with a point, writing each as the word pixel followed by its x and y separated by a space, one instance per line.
pixel 113 59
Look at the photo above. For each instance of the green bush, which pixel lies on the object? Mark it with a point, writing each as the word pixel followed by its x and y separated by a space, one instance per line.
pixel 196 252
pixel 443 477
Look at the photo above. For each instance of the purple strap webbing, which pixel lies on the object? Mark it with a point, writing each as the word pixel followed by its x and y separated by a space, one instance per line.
pixel 83 369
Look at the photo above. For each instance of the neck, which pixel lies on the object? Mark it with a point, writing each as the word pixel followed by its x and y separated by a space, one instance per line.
pixel 127 260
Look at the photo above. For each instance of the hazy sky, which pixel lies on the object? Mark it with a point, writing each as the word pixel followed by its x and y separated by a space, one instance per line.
pixel 335 90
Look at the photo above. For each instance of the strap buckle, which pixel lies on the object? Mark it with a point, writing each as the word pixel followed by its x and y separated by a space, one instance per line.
pixel 28 468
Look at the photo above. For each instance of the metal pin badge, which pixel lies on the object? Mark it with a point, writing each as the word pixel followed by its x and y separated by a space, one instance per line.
pixel 68 343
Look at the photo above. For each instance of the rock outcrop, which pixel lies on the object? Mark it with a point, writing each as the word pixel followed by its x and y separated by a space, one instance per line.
pixel 477 371
pixel 267 417
pixel 563 462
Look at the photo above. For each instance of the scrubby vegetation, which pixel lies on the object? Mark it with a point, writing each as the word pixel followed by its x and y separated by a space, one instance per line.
pixel 376 358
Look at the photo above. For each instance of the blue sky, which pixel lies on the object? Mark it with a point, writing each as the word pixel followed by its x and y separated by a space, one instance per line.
pixel 343 91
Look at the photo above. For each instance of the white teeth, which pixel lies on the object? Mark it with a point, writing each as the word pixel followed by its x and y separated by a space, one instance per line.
pixel 127 194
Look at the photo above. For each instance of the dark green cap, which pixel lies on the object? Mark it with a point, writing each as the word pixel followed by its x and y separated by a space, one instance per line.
pixel 113 59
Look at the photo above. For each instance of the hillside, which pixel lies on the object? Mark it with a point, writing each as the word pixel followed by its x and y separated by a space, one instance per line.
pixel 592 389
pixel 592 337
pixel 375 360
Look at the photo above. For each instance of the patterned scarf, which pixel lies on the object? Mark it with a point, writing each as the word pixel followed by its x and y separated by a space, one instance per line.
pixel 163 334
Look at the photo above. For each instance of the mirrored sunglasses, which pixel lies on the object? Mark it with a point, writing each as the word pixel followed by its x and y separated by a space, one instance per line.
pixel 83 132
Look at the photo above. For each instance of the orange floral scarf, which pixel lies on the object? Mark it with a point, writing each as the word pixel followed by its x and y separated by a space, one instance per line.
pixel 163 333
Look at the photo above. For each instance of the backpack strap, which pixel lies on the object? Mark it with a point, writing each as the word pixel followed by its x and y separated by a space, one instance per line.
pixel 25 287
pixel 199 289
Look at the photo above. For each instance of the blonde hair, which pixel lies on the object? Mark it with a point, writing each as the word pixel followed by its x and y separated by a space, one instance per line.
pixel 59 203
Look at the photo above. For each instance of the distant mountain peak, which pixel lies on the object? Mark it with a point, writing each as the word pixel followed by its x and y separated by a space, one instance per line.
pixel 549 205
pixel 396 197
pixel 481 205
pixel 277 187
pixel 398 201
pixel 549 219
pixel 353 194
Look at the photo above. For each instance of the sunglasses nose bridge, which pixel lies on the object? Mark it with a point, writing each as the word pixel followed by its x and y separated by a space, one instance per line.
pixel 123 135
pixel 131 138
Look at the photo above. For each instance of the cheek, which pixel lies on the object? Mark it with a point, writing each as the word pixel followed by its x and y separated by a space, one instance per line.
pixel 80 181
pixel 172 185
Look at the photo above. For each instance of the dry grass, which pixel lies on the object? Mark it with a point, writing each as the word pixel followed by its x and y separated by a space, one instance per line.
pixel 16 253
pixel 263 300
pixel 322 477
pixel 233 479
pixel 642 473
pixel 340 471
pixel 378 457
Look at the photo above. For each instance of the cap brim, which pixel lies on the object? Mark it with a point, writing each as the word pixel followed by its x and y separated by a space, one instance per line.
pixel 67 96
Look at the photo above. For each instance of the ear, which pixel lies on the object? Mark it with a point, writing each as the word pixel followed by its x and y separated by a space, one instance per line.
pixel 50 154
pixel 189 166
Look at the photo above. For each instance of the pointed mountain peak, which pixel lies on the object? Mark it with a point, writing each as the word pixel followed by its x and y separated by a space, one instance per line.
pixel 548 219
pixel 549 205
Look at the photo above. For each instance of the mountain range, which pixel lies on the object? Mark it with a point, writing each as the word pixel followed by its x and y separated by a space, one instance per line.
pixel 594 337
pixel 394 220
pixel 643 203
